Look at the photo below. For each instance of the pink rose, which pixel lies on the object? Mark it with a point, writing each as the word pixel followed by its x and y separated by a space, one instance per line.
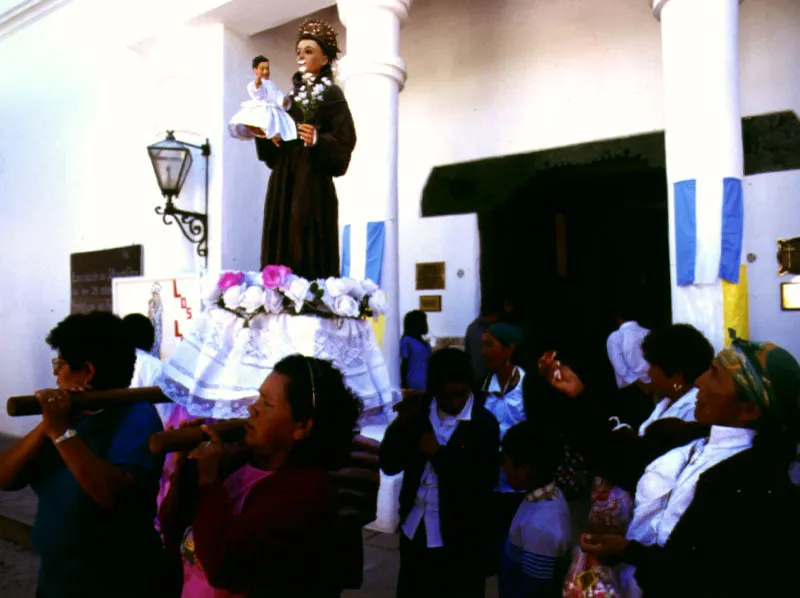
pixel 230 279
pixel 275 276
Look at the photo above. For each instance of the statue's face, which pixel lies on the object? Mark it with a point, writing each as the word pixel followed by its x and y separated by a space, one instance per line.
pixel 311 56
pixel 262 70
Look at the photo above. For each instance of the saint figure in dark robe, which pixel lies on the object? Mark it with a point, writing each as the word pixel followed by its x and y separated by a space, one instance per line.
pixel 301 215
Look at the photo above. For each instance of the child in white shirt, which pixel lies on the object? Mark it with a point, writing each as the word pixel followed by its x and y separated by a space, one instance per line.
pixel 536 553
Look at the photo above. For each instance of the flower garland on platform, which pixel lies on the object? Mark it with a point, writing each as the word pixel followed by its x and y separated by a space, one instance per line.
pixel 276 290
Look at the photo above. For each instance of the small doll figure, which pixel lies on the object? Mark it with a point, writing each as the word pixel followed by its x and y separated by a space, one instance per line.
pixel 264 115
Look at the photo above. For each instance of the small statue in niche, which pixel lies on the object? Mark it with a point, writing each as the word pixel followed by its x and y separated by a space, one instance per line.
pixel 788 256
pixel 155 311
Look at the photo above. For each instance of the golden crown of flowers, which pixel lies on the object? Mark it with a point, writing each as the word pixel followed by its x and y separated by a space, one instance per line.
pixel 319 30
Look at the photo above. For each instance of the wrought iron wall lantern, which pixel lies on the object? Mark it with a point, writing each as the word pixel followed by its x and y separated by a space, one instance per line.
pixel 171 161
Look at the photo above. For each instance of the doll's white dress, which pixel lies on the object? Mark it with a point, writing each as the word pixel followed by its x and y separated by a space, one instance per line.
pixel 264 111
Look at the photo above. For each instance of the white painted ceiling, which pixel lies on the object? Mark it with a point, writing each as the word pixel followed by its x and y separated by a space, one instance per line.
pixel 253 16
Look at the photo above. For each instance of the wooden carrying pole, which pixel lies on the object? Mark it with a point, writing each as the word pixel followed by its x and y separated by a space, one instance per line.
pixel 185 439
pixel 90 401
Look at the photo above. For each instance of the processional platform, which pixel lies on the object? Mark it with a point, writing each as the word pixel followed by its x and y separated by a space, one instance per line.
pixel 246 326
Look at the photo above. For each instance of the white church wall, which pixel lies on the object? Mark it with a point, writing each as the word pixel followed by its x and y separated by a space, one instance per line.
pixel 490 79
pixel 769 45
pixel 772 211
pixel 499 78
pixel 74 176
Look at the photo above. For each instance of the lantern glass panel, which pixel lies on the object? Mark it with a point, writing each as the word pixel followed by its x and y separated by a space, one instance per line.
pixel 171 162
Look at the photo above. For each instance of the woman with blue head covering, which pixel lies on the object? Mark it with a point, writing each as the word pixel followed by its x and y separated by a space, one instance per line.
pixel 504 399
pixel 725 516
pixel 503 385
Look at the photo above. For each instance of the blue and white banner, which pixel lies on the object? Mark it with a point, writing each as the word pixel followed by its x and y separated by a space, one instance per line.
pixel 362 250
pixel 709 228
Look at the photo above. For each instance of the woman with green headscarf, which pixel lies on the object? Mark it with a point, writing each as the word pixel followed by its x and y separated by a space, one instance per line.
pixel 724 517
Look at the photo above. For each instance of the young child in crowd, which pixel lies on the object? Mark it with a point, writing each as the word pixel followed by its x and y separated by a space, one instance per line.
pixel 537 549
pixel 447 446
pixel 264 115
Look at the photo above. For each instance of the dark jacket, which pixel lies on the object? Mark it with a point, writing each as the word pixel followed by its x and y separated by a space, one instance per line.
pixel 738 538
pixel 467 469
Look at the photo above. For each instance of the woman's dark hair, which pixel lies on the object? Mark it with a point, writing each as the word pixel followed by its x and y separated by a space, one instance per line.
pixel 446 366
pixel 679 348
pixel 140 331
pixel 99 338
pixel 258 60
pixel 317 390
pixel 415 324
pixel 528 444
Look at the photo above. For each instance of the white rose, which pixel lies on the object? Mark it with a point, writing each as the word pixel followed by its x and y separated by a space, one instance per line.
pixel 298 292
pixel 253 298
pixel 378 303
pixel 368 287
pixel 232 298
pixel 356 289
pixel 273 301
pixel 339 286
pixel 345 306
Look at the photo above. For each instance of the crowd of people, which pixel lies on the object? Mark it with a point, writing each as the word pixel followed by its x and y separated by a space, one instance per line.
pixel 490 470
pixel 690 459
pixel 263 517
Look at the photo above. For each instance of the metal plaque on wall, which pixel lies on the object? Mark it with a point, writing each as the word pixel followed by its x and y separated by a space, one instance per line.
pixel 788 256
pixel 430 276
pixel 430 303
pixel 91 274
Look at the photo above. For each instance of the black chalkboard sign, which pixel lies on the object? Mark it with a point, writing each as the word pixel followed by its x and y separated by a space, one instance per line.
pixel 91 275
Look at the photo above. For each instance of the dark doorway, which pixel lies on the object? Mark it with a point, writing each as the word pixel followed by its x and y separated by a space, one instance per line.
pixel 572 245
pixel 612 197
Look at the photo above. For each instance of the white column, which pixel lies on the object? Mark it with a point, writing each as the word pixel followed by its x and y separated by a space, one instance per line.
pixel 703 132
pixel 373 74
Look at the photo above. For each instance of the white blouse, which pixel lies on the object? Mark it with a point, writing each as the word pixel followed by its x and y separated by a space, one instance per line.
pixel 683 409
pixel 667 487
pixel 508 409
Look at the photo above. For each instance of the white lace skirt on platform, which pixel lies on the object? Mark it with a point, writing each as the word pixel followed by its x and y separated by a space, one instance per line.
pixel 217 369
pixel 273 120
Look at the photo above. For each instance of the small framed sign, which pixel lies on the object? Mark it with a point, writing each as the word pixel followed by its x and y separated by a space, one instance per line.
pixel 430 303
pixel 790 296
pixel 430 276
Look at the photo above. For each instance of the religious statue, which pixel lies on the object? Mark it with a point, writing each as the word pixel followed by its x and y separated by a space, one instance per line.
pixel 301 227
pixel 155 311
